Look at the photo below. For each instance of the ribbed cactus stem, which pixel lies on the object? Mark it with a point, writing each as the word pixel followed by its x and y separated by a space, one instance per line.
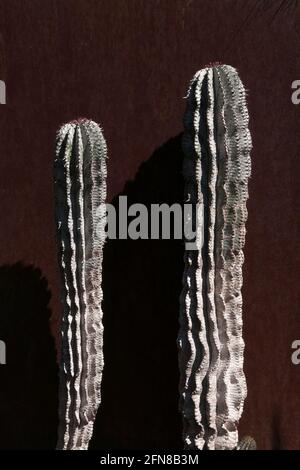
pixel 80 196
pixel 247 443
pixel 217 166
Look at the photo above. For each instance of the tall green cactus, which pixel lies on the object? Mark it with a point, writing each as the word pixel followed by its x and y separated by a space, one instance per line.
pixel 217 166
pixel 80 194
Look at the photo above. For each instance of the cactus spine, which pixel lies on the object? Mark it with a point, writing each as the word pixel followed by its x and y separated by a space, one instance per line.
pixel 80 194
pixel 217 166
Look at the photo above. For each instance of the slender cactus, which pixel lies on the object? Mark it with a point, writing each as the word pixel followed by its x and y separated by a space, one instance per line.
pixel 80 193
pixel 217 166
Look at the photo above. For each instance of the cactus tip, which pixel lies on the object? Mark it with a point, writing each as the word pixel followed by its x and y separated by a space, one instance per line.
pixel 80 120
pixel 213 64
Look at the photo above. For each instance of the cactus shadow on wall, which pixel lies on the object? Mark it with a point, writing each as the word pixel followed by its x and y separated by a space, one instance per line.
pixel 29 379
pixel 142 283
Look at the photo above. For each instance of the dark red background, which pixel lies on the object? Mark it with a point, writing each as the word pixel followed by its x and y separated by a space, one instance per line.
pixel 127 65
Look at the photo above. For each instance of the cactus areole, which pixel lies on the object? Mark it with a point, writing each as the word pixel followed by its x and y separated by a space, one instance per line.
pixel 217 167
pixel 80 194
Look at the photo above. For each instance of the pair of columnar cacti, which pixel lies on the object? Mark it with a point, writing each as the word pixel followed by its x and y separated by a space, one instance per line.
pixel 217 147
